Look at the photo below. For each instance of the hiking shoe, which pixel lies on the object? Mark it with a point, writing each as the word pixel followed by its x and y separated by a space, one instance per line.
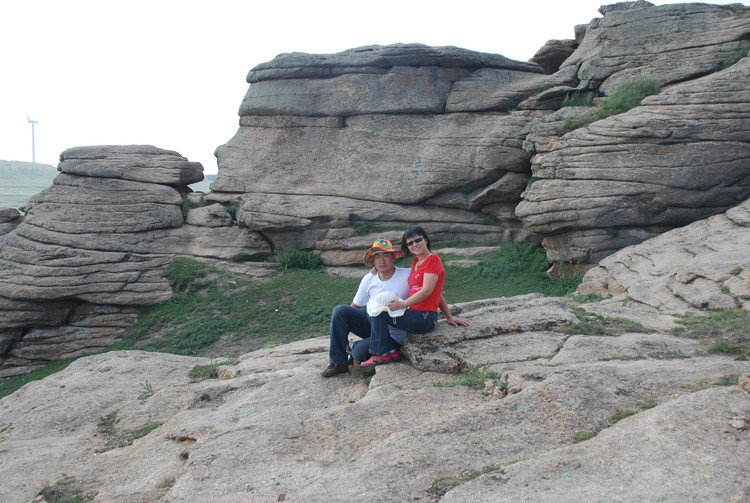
pixel 393 356
pixel 335 368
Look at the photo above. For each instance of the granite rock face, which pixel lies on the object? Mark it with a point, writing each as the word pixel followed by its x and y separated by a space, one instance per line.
pixel 548 415
pixel 380 137
pixel 681 156
pixel 93 248
pixel 704 265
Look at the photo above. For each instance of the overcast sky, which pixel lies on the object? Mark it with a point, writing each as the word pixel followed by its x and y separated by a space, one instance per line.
pixel 172 73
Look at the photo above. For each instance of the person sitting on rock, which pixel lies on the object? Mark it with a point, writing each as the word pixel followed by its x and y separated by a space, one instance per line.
pixel 418 312
pixel 385 278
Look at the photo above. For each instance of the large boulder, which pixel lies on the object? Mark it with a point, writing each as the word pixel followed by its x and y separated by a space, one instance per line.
pixel 376 136
pixel 705 265
pixel 681 156
pixel 94 246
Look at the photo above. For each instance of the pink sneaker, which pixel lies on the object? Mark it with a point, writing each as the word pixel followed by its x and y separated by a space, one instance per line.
pixel 393 356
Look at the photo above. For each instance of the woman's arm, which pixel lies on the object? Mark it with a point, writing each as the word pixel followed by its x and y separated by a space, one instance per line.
pixel 448 316
pixel 428 285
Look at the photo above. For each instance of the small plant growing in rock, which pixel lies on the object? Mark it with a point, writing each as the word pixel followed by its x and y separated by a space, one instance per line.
pixel 578 99
pixel 733 58
pixel 736 271
pixel 166 483
pixel 620 415
pixel 64 491
pixel 647 403
pixel 203 372
pixel 146 388
pixel 466 189
pixel 624 96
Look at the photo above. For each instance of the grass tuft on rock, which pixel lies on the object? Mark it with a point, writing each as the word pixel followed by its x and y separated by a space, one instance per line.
pixel 624 96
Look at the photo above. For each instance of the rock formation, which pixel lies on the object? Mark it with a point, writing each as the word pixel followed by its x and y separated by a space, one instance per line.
pixel 378 137
pixel 713 273
pixel 334 150
pixel 681 156
pixel 559 415
pixel 93 248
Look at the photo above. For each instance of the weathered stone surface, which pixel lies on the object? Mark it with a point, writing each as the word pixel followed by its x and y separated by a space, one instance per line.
pixel 215 215
pixel 553 54
pixel 705 265
pixel 412 89
pixel 141 163
pixel 9 219
pixel 331 223
pixel 679 157
pixel 94 246
pixel 376 58
pixel 492 337
pixel 437 119
pixel 362 158
pixel 674 42
pixel 285 433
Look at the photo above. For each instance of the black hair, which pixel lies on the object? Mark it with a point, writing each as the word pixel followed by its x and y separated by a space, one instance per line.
pixel 414 230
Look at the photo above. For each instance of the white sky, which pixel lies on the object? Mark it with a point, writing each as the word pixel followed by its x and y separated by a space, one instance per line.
pixel 172 73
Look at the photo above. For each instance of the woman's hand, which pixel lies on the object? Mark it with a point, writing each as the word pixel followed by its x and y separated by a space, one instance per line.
pixel 395 305
pixel 454 322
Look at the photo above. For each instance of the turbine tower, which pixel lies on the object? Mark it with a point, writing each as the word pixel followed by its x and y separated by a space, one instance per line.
pixel 33 150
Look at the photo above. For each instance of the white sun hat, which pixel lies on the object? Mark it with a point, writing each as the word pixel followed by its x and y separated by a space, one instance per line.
pixel 379 303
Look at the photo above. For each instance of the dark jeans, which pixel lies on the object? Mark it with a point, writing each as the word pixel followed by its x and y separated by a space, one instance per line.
pixel 345 319
pixel 416 322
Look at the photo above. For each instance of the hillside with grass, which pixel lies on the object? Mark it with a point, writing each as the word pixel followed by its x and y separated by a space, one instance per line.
pixel 21 180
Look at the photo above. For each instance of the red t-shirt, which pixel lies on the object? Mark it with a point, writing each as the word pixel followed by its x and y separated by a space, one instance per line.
pixel 431 265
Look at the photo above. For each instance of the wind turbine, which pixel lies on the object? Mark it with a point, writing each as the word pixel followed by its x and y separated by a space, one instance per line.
pixel 33 150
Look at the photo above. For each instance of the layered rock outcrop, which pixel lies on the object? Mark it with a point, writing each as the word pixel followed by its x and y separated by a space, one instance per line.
pixel 93 248
pixel 681 156
pixel 332 146
pixel 379 137
pixel 559 416
pixel 713 273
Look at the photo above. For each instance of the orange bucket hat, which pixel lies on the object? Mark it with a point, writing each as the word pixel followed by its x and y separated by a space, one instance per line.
pixel 381 246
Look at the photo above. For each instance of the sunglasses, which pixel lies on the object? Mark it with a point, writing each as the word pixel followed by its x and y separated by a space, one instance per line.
pixel 418 240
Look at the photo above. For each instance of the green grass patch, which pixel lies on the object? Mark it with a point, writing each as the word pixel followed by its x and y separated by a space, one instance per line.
pixel 736 271
pixel 203 372
pixel 725 331
pixel 647 403
pixel 578 99
pixel 475 380
pixel 298 259
pixel 594 324
pixel 621 414
pixel 64 490
pixel 723 347
pixel 515 269
pixel 295 305
pixel 184 273
pixel 733 58
pixel 624 96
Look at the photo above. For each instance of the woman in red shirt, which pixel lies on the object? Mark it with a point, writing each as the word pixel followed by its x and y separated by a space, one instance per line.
pixel 425 297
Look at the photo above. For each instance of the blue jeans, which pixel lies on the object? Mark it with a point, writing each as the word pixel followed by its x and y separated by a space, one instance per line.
pixel 417 322
pixel 345 319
